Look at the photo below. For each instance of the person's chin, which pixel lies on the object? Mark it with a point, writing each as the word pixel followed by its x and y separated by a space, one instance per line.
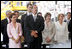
pixel 14 21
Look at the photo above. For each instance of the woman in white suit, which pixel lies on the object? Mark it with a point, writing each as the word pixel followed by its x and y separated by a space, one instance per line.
pixel 49 30
pixel 61 35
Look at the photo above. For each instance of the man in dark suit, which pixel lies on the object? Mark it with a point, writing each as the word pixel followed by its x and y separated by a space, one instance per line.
pixel 4 28
pixel 68 17
pixel 39 13
pixel 68 21
pixel 34 25
pixel 23 18
pixel 69 29
pixel 17 15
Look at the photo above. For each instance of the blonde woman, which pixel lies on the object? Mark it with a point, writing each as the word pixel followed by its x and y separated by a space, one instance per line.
pixel 61 35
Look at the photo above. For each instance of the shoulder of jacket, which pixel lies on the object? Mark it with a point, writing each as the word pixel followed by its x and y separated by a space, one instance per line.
pixel 4 20
pixel 18 23
pixel 65 22
pixel 9 24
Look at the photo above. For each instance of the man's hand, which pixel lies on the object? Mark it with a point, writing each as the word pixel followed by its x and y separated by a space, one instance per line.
pixel 35 35
pixel 36 31
pixel 32 33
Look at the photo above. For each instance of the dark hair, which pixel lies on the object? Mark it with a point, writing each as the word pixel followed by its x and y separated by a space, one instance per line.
pixel 12 15
pixel 46 15
pixel 39 13
pixel 29 4
pixel 68 12
pixel 16 11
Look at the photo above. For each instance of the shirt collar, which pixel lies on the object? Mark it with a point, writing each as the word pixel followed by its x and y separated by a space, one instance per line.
pixel 8 19
pixel 34 15
pixel 28 13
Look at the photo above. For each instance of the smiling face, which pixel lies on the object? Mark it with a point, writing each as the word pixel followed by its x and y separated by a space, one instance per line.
pixel 48 18
pixel 35 9
pixel 69 15
pixel 14 18
pixel 29 8
pixel 8 14
pixel 17 14
pixel 61 17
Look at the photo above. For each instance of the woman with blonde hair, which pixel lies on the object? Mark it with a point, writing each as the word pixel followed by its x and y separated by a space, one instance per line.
pixel 61 35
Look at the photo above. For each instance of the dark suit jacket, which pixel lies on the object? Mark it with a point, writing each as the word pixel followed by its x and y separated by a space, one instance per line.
pixel 4 30
pixel 69 26
pixel 31 25
pixel 22 24
pixel 69 29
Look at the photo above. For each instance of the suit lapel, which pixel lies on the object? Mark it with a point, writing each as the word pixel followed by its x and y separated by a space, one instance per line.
pixel 6 21
pixel 32 18
pixel 36 19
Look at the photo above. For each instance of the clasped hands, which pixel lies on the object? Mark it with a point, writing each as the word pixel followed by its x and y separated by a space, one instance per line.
pixel 34 33
pixel 48 40
pixel 16 40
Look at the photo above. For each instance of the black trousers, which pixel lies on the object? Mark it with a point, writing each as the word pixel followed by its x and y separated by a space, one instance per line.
pixel 70 35
pixel 7 46
pixel 36 43
pixel 44 45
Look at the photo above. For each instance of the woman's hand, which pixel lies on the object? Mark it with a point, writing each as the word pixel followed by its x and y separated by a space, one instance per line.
pixel 17 40
pixel 48 40
pixel 12 38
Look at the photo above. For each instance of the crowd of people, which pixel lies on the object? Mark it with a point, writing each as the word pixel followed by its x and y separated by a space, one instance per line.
pixel 33 29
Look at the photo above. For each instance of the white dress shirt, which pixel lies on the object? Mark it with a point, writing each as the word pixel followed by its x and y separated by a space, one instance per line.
pixel 8 19
pixel 34 16
pixel 29 13
pixel 68 21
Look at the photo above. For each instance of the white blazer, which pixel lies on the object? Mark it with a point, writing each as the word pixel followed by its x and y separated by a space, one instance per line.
pixel 61 32
pixel 49 31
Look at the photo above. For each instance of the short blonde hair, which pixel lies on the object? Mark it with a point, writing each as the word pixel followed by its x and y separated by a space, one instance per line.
pixel 59 15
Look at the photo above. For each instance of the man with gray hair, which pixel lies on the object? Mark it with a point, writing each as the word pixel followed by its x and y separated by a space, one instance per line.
pixel 4 27
pixel 8 14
